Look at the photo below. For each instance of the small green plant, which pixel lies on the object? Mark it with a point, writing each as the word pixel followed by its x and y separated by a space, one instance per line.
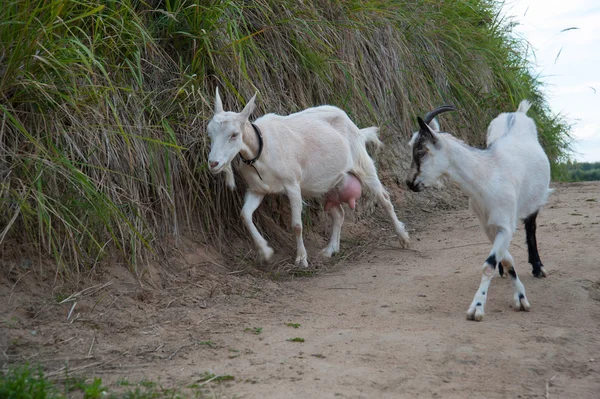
pixel 293 325
pixel 210 344
pixel 59 297
pixel 234 353
pixel 147 384
pixel 123 382
pixel 11 323
pixel 297 339
pixel 95 390
pixel 254 330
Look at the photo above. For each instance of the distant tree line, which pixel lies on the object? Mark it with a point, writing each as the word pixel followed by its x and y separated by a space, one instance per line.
pixel 582 171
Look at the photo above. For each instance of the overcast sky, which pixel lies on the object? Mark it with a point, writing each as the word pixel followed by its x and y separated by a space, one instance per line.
pixel 572 81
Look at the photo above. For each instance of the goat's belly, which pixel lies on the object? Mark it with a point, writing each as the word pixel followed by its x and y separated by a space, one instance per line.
pixel 261 184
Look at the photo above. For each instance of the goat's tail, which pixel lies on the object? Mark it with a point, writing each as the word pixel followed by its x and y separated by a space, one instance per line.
pixel 371 135
pixel 524 106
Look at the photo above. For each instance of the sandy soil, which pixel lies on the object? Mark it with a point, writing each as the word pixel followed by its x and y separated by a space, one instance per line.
pixel 389 325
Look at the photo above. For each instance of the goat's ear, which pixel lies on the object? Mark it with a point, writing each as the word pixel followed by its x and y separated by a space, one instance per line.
pixel 434 125
pixel 218 103
pixel 249 108
pixel 425 131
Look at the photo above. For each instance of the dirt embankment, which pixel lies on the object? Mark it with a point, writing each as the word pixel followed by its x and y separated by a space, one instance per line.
pixel 391 324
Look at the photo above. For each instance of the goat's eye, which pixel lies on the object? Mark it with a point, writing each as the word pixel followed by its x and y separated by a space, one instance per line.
pixel 234 136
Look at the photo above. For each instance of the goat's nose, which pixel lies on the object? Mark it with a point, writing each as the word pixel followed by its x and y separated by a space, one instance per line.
pixel 213 164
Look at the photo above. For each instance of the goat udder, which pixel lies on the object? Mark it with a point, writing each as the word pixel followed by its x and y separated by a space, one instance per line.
pixel 348 192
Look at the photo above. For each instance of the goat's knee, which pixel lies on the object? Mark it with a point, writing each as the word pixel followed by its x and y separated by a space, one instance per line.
pixel 246 216
pixel 489 266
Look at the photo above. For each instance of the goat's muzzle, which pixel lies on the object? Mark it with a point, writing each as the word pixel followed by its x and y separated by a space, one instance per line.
pixel 415 187
pixel 214 167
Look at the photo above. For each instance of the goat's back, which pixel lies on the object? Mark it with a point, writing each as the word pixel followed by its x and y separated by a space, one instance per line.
pixel 315 146
pixel 515 123
pixel 523 162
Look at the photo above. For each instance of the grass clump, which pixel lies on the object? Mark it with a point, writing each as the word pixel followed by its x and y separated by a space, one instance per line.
pixel 24 382
pixel 104 104
pixel 30 382
pixel 254 330
pixel 297 339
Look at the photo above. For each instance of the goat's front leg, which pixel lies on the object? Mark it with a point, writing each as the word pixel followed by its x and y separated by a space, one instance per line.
pixel 520 301
pixel 251 201
pixel 295 196
pixel 499 250
pixel 337 213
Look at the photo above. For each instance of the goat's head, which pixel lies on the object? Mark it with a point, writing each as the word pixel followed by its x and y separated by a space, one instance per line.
pixel 225 131
pixel 428 160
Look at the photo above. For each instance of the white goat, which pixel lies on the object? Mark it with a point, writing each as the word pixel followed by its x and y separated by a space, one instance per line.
pixel 505 182
pixel 309 153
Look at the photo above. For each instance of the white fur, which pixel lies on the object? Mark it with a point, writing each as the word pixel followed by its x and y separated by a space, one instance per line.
pixel 506 182
pixel 305 154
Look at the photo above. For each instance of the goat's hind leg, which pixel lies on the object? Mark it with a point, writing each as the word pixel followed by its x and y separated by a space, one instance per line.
pixel 251 202
pixel 371 180
pixel 295 196
pixel 337 213
pixel 538 269
pixel 520 301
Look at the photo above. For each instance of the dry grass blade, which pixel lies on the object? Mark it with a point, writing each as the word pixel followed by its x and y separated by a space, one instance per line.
pixel 85 292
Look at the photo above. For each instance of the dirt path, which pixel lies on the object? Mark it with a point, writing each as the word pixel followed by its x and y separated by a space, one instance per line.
pixel 393 326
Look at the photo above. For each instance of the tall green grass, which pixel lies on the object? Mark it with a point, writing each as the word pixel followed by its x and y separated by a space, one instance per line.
pixel 104 103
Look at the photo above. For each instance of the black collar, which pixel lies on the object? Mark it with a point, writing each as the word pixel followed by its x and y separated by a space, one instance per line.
pixel 250 162
pixel 260 147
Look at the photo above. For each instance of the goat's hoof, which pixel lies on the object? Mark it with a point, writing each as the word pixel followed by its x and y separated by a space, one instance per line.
pixel 327 252
pixel 475 313
pixel 521 303
pixel 404 241
pixel 302 262
pixel 267 254
pixel 541 273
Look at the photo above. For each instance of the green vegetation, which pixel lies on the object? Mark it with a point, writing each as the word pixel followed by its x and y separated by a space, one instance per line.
pixel 293 325
pixel 297 339
pixel 28 382
pixel 104 104
pixel 581 171
pixel 253 330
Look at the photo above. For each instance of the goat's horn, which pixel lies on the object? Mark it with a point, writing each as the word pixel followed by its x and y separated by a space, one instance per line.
pixel 444 108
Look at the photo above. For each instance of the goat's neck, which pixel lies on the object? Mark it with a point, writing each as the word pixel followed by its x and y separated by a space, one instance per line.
pixel 250 148
pixel 467 167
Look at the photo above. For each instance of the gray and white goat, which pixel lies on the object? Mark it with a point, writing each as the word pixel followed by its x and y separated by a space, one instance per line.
pixel 315 152
pixel 507 181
